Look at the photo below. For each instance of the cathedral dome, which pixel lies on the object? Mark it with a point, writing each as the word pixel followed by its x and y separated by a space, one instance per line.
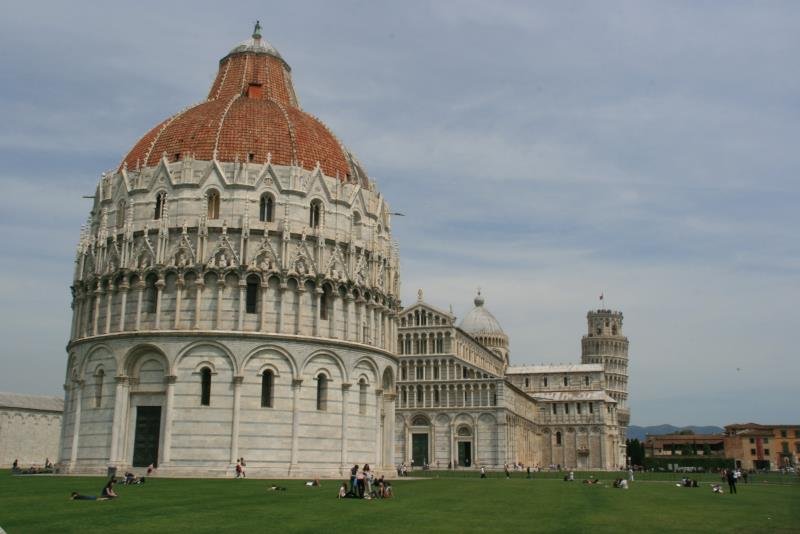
pixel 251 114
pixel 479 321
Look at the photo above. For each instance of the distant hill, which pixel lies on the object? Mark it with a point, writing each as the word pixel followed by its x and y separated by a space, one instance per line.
pixel 639 432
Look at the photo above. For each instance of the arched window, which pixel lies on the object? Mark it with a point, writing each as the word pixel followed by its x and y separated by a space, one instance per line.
pixel 566 381
pixel 357 225
pixel 555 409
pixel 161 200
pixel 578 408
pixel 324 302
pixel 362 396
pixel 251 300
pixel 420 396
pixel 121 207
pixel 205 386
pixel 566 408
pixel 544 381
pixel 267 382
pixel 591 407
pixel 558 438
pixel 436 396
pixel 98 388
pixel 527 383
pixel 315 214
pixel 213 205
pixel 150 293
pixel 586 380
pixel 404 373
pixel 266 208
pixel 322 392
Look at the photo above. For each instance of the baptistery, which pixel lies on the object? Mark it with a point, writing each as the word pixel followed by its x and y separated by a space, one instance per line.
pixel 235 294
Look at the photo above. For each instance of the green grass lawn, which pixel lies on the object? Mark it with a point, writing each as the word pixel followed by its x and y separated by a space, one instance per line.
pixel 444 504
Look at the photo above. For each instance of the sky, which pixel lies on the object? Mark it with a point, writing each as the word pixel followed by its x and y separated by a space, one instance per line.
pixel 546 152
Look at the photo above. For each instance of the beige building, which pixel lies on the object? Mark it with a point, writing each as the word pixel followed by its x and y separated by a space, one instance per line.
pixel 30 427
pixel 460 402
pixel 770 447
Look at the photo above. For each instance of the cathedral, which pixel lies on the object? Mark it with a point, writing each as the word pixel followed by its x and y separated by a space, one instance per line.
pixel 461 404
pixel 236 295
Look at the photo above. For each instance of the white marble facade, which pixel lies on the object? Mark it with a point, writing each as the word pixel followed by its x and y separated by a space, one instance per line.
pixel 460 403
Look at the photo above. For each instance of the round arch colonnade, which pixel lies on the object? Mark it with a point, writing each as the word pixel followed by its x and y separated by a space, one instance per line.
pixel 194 404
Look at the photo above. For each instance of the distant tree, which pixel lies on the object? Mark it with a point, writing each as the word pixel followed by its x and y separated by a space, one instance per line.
pixel 686 432
pixel 687 450
pixel 635 451
pixel 706 449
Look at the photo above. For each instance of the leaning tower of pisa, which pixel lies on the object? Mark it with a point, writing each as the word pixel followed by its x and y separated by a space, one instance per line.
pixel 605 344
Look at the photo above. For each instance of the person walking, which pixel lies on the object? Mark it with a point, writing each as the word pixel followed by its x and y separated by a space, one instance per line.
pixel 731 476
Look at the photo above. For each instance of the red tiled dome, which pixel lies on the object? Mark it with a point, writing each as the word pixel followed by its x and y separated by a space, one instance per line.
pixel 251 112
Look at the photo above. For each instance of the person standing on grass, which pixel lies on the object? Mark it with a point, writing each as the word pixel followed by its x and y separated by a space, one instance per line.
pixel 483 472
pixel 630 474
pixel 528 472
pixel 508 474
pixel 731 481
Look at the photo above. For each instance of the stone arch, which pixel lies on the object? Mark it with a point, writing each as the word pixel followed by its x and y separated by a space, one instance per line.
pixel 131 360
pixel 318 359
pixel 370 364
pixel 187 350
pixel 272 350
pixel 92 354
pixel 420 419
pixel 388 379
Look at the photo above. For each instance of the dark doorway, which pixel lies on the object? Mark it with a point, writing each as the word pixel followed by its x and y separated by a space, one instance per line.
pixel 419 449
pixel 464 453
pixel 761 465
pixel 148 428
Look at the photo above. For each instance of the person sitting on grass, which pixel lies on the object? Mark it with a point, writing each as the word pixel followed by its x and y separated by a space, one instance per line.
pixel 276 488
pixel 108 491
pixel 342 491
pixel 591 481
pixel 387 491
pixel 716 488
pixel 75 496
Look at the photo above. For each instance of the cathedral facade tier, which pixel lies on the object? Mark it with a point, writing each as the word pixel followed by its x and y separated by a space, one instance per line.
pixel 460 404
pixel 235 294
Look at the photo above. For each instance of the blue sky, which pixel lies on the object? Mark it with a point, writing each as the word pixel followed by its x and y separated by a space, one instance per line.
pixel 545 152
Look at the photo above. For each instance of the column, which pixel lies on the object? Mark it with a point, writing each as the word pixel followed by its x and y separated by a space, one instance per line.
pixel 296 384
pixel 453 445
pixel 301 300
pixel 109 296
pixel 113 456
pixel 139 296
pixel 123 305
pixel 179 285
pixel 475 461
pixel 389 400
pixel 77 393
pixel 407 433
pixel 318 297
pixel 199 285
pixel 347 305
pixel 333 316
pixel 220 296
pixel 281 301
pixel 242 297
pixel 97 294
pixel 603 462
pixel 263 319
pixel 345 392
pixel 378 433
pixel 169 407
pixel 237 401
pixel 159 291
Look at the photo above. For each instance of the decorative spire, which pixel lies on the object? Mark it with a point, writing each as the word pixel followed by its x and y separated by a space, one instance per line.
pixel 257 31
pixel 479 299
